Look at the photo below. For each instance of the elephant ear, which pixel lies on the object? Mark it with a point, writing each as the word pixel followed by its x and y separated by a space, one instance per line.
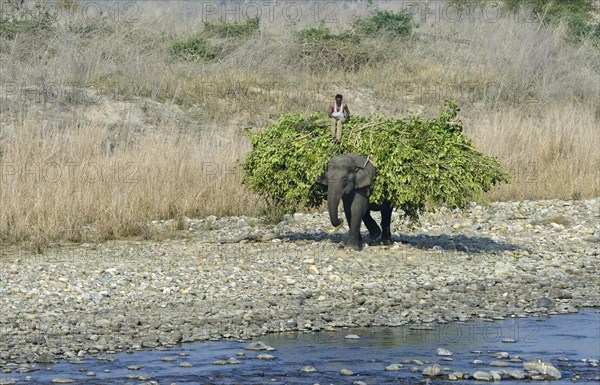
pixel 365 171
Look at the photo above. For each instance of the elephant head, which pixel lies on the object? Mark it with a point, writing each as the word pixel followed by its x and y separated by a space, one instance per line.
pixel 344 176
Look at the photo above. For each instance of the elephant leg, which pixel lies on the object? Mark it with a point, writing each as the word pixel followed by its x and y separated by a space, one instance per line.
pixel 386 220
pixel 374 230
pixel 354 209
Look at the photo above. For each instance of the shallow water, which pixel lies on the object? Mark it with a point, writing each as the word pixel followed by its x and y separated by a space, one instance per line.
pixel 573 336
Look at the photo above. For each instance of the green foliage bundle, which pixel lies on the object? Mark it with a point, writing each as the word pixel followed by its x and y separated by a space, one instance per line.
pixel 422 164
pixel 244 28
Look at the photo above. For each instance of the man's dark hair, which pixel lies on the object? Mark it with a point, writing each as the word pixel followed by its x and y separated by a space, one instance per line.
pixel 338 96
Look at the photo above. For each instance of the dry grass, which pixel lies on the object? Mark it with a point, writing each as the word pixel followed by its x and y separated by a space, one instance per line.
pixel 57 181
pixel 528 98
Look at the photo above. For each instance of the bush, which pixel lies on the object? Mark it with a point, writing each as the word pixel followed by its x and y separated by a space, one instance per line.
pixel 422 164
pixel 579 30
pixel 322 50
pixel 11 26
pixel 194 48
pixel 91 28
pixel 578 15
pixel 236 29
pixel 323 34
pixel 552 10
pixel 378 22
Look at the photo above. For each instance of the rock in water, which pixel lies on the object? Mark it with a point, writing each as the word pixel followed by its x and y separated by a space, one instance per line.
pixel 482 376
pixel 258 346
pixel 308 369
pixel 432 371
pixel 346 372
pixel 60 380
pixel 393 367
pixel 444 352
pixel 542 367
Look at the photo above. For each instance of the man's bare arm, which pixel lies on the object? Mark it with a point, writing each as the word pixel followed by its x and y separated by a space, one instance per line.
pixel 330 110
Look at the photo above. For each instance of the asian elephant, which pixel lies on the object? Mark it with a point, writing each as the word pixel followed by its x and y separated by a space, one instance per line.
pixel 348 178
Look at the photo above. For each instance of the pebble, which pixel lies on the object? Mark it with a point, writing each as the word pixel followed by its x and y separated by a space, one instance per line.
pixel 308 369
pixel 346 372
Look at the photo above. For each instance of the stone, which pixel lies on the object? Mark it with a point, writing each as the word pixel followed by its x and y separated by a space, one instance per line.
pixel 258 346
pixel 62 380
pixel 544 302
pixel 542 367
pixel 454 376
pixel 432 371
pixel 482 376
pixel 308 369
pixel 516 374
pixel 444 352
pixel 393 367
pixel 352 337
pixel 346 372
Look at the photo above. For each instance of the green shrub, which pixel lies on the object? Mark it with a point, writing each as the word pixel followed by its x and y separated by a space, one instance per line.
pixel 378 22
pixel 11 26
pixel 194 48
pixel 579 29
pixel 99 27
pixel 322 50
pixel 323 34
pixel 237 29
pixel 552 10
pixel 422 164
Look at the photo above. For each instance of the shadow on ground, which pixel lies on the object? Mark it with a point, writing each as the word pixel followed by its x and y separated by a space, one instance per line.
pixel 445 242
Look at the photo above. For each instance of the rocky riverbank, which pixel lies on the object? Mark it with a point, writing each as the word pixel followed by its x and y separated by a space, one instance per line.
pixel 239 278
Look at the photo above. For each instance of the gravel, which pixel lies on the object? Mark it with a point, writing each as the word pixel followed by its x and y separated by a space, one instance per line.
pixel 239 278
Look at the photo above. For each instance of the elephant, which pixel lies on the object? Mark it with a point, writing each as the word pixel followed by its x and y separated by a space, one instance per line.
pixel 348 178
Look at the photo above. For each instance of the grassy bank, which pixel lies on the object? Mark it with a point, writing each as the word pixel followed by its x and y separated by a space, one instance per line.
pixel 112 121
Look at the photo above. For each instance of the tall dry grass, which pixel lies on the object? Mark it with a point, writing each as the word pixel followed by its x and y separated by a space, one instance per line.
pixel 75 183
pixel 527 97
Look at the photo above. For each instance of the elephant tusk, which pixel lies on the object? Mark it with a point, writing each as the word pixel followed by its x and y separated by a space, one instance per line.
pixel 337 227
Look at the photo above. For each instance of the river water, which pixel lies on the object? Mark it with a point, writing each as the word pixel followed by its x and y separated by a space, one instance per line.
pixel 575 337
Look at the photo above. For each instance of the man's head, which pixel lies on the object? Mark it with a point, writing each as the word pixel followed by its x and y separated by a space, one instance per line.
pixel 338 99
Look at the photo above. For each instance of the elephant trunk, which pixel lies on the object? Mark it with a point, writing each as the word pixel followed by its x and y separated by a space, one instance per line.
pixel 333 200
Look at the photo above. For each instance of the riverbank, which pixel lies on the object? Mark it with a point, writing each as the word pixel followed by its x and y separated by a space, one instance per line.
pixel 236 277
